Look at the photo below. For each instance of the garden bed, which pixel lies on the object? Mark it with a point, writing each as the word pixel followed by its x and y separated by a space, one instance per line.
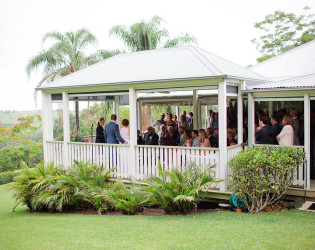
pixel 204 207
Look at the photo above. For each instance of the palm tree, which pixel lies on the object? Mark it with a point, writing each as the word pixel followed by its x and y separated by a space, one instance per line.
pixel 65 56
pixel 147 35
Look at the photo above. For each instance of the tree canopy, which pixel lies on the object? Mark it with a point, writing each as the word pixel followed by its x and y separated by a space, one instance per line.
pixel 147 35
pixel 283 31
pixel 67 54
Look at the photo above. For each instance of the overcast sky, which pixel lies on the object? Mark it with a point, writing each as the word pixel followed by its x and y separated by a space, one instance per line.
pixel 223 27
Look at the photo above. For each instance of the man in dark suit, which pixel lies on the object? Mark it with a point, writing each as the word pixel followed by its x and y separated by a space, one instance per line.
pixel 275 129
pixel 263 134
pixel 150 138
pixel 111 133
pixel 296 126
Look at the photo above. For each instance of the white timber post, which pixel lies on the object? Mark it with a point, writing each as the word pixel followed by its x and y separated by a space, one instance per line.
pixel 133 131
pixel 139 116
pixel 195 109
pixel 206 115
pixel 307 138
pixel 66 128
pixel 251 119
pixel 116 108
pixel 177 112
pixel 222 135
pixel 240 114
pixel 47 123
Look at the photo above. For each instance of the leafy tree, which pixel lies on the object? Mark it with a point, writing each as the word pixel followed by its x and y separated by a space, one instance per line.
pixel 66 55
pixel 147 35
pixel 284 31
pixel 19 136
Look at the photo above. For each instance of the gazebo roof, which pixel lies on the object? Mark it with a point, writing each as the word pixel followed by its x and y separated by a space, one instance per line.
pixel 171 64
pixel 293 63
pixel 307 81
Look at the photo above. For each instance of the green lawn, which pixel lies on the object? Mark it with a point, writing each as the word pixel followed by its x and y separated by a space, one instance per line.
pixel 219 230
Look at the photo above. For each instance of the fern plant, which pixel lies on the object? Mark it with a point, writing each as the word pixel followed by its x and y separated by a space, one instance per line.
pixel 179 191
pixel 129 200
pixel 30 182
pixel 52 188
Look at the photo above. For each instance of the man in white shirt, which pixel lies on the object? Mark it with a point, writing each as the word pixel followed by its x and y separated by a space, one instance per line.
pixel 181 131
pixel 209 119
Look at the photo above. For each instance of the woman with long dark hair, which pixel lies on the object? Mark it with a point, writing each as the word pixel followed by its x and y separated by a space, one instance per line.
pixel 100 132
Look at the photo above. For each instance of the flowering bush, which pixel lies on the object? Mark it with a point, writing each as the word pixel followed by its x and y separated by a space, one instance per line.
pixel 264 174
pixel 19 133
pixel 75 136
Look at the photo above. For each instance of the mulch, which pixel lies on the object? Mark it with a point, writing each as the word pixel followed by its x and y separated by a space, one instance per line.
pixel 204 207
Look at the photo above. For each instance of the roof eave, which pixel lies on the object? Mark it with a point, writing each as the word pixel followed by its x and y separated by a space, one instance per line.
pixel 278 89
pixel 154 81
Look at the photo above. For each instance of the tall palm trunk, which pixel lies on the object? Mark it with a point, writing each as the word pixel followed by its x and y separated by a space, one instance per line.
pixel 77 109
pixel 77 115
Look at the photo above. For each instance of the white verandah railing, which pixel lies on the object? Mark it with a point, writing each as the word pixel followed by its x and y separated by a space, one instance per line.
pixel 147 158
pixel 118 156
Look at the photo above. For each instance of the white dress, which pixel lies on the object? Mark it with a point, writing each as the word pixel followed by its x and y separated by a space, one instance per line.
pixel 124 133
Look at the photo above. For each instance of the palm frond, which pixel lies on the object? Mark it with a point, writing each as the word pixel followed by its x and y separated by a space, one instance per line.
pixel 182 39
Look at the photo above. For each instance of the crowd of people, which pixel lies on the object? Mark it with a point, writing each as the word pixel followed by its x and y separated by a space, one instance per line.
pixel 167 131
pixel 282 128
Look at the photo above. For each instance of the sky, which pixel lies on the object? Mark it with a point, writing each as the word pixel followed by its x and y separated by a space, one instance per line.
pixel 223 27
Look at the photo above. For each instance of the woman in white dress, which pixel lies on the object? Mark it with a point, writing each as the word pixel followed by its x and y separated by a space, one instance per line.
pixel 125 131
pixel 286 135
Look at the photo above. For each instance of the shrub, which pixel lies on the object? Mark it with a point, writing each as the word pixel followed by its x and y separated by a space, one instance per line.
pixel 6 177
pixel 52 188
pixel 11 158
pixel 264 174
pixel 27 183
pixel 129 200
pixel 179 191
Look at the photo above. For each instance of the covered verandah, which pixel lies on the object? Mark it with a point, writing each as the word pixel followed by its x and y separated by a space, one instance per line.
pixel 138 162
pixel 165 70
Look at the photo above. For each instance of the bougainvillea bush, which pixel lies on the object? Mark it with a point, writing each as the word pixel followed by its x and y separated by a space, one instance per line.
pixel 75 136
pixel 263 174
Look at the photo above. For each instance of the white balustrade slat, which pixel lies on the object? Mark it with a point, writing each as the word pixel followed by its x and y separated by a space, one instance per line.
pixel 141 163
pixel 169 155
pixel 119 161
pixel 149 161
pixel 145 162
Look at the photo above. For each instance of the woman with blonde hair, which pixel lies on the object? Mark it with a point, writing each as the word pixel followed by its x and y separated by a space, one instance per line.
pixel 204 141
pixel 286 135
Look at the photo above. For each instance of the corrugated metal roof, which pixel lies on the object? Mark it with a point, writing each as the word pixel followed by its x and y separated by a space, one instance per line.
pixel 293 63
pixel 155 65
pixel 296 82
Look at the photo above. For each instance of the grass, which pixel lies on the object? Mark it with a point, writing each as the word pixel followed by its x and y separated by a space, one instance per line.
pixel 283 230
